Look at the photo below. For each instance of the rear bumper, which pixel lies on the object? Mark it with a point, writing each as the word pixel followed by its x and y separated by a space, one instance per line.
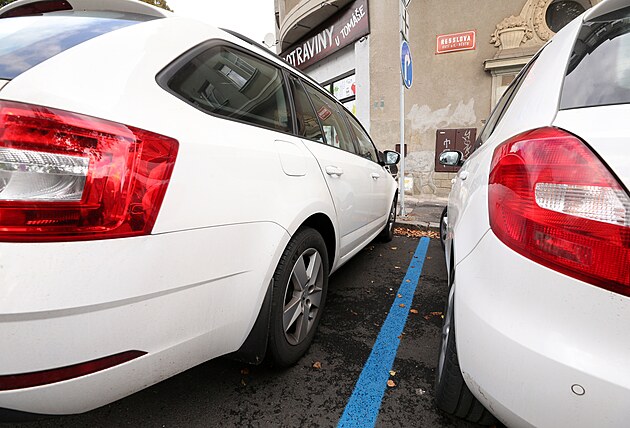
pixel 182 298
pixel 528 337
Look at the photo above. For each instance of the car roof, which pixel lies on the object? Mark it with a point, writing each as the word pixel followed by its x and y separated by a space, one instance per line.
pixel 38 7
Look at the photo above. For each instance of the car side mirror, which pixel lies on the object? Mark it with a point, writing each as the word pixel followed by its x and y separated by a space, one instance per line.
pixel 451 158
pixel 391 157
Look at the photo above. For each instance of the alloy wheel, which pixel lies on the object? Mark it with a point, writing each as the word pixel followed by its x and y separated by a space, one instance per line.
pixel 303 296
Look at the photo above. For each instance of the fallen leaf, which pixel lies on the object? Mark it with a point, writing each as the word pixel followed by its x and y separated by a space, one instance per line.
pixel 408 280
pixel 392 373
pixel 394 248
pixel 317 365
pixel 245 371
pixel 402 305
pixel 433 314
pixel 396 267
pixel 413 311
pixel 391 383
pixel 415 233
pixel 428 258
pixel 353 312
pixel 400 296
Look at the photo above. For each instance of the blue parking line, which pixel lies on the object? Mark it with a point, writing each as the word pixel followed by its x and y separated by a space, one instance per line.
pixel 365 402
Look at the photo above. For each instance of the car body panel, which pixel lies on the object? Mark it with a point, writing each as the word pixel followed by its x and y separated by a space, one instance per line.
pixel 193 289
pixel 527 334
pixel 529 337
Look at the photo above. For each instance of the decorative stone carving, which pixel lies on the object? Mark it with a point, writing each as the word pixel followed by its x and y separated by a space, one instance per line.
pixel 511 32
pixel 527 30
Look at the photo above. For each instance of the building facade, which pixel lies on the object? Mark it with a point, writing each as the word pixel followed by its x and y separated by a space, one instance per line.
pixel 465 53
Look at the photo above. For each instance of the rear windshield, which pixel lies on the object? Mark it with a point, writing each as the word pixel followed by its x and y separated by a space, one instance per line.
pixel 599 69
pixel 28 41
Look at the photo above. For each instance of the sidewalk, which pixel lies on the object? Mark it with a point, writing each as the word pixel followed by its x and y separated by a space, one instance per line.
pixel 422 210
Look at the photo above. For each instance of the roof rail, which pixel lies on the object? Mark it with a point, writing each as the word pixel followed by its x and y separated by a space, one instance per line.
pixel 250 41
pixel 38 7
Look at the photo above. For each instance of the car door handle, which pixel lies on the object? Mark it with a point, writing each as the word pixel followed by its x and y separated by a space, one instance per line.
pixel 334 171
pixel 375 176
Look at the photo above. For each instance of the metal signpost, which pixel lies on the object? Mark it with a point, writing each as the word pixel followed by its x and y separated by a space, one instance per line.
pixel 406 72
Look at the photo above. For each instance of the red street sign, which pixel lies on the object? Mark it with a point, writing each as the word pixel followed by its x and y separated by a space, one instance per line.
pixel 466 41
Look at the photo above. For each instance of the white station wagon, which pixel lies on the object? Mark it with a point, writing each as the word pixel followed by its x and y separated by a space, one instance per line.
pixel 169 193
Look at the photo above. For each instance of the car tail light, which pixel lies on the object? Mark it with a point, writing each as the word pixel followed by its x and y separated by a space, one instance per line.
pixel 552 200
pixel 66 176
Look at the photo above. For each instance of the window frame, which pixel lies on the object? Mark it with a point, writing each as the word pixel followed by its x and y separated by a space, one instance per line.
pixel 167 73
pixel 348 117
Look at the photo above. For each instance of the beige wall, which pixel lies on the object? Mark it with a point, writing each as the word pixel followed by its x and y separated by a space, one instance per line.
pixel 449 91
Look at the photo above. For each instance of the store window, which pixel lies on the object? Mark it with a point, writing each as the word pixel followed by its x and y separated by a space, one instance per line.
pixel 344 88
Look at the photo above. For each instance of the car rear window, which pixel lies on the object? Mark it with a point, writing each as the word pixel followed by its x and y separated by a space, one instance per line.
pixel 28 41
pixel 599 68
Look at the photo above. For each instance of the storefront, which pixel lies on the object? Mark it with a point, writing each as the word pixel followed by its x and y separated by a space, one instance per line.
pixel 465 54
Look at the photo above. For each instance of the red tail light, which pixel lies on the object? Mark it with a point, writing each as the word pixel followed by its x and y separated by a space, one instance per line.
pixel 553 201
pixel 65 176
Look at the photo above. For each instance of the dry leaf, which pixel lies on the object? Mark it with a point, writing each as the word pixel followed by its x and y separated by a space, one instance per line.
pixel 392 373
pixel 414 233
pixel 396 267
pixel 317 365
pixel 394 248
pixel 408 280
pixel 413 311
pixel 391 383
pixel 402 305
pixel 400 296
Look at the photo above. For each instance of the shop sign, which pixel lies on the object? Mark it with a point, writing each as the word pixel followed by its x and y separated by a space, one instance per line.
pixel 466 41
pixel 337 33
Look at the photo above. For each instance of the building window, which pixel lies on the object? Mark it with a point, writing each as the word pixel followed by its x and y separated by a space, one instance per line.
pixel 344 88
pixel 561 12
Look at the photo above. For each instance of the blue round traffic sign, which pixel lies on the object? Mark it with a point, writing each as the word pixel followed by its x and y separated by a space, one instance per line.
pixel 406 67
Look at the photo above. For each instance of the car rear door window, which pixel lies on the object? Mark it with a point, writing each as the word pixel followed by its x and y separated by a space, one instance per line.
pixel 229 83
pixel 335 129
pixel 307 123
pixel 365 145
pixel 599 68
pixel 28 41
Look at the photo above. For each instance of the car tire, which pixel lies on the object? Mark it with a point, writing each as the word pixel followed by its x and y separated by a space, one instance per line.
pixel 443 226
pixel 299 297
pixel 452 395
pixel 387 234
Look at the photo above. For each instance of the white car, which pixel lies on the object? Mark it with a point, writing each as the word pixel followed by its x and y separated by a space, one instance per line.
pixel 538 242
pixel 169 193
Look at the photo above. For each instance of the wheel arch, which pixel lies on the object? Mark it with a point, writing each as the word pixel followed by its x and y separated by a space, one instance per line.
pixel 254 348
pixel 322 223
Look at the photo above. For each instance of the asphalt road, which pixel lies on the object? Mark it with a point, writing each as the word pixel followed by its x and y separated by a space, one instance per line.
pixel 230 394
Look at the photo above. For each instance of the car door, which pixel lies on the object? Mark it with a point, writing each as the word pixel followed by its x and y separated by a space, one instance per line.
pixel 327 136
pixel 381 197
